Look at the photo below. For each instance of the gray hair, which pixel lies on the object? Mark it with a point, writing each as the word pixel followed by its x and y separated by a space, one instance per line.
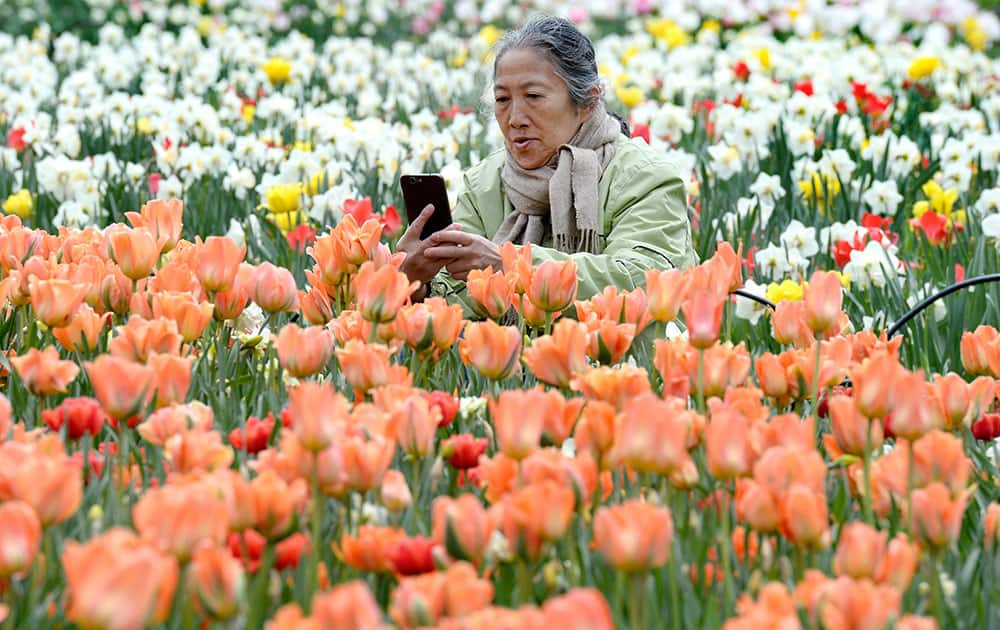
pixel 570 52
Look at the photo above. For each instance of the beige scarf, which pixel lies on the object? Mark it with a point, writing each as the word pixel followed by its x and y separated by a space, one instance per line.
pixel 562 195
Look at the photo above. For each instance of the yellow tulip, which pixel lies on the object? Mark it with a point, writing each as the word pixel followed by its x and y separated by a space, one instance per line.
pixel 284 198
pixel 20 204
pixel 277 69
pixel 922 67
pixel 787 290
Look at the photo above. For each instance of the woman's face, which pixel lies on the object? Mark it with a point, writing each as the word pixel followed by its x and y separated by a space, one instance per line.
pixel 533 108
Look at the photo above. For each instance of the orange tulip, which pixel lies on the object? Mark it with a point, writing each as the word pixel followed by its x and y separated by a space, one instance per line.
pixel 553 285
pixel 462 526
pixel 366 460
pixel 6 411
pixel 395 492
pixel 124 388
pixel 303 352
pixel 493 350
pixel 855 433
pixel 535 514
pixel 43 372
pixel 417 422
pixel 134 250
pixel 727 445
pixel 940 456
pixel 789 324
pixel 273 289
pixel 634 536
pixel 115 291
pixel 140 338
pixel 348 606
pixel 491 293
pixel 381 292
pixel 915 409
pixel 83 332
pixel 703 316
pixel 665 291
pixel 366 366
pixel 370 550
pixel 116 581
pixel 216 582
pixel 725 366
pixel 41 475
pixel 612 385
pixel 757 506
pixel 315 305
pixel 772 376
pixel 420 601
pixel 860 551
pixel 517 265
pixel 961 401
pixel 980 351
pixel 190 315
pixel 519 417
pixel 595 431
pixel 162 219
pixel 625 308
pixel 172 420
pixel 177 518
pixel 316 410
pixel 172 378
pixel 217 263
pixel 609 341
pixel 848 603
pixel 873 382
pixel 277 504
pixel 55 301
pixel 430 325
pixel 823 299
pixel 579 608
pixel 991 526
pixel 899 563
pixel 804 517
pixel 194 451
pixel 21 533
pixel 937 515
pixel 652 436
pixel 554 359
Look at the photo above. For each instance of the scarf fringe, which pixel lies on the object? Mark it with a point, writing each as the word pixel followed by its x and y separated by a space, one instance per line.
pixel 585 241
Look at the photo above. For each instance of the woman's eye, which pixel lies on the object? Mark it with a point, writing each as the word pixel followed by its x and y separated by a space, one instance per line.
pixel 502 99
pixel 534 96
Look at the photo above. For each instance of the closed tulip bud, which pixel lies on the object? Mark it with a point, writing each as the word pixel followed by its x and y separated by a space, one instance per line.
pixel 634 536
pixel 757 506
pixel 172 378
pixel 979 351
pixel 43 372
pixel 21 533
pixel 316 307
pixel 303 352
pixel 873 382
pixel 493 350
pixel 134 250
pixel 316 410
pixel 703 316
pixel 916 411
pixel 83 332
pixel 899 563
pixel 954 393
pixel 519 417
pixel 273 288
pixel 789 325
pixel 216 581
pixel 416 424
pixel 727 445
pixel 553 285
pixel 538 513
pixel 231 303
pixel 772 376
pixel 665 291
pixel 55 301
pixel 217 263
pixel 277 503
pixel 395 491
pixel 823 299
pixel 413 556
pixel 860 551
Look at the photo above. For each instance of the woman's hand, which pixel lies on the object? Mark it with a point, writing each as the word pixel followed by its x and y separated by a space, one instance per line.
pixel 417 266
pixel 462 252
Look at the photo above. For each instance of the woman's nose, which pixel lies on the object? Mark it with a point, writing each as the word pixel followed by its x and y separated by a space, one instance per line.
pixel 517 115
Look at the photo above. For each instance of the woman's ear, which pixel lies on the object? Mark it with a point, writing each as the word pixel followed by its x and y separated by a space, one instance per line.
pixel 589 111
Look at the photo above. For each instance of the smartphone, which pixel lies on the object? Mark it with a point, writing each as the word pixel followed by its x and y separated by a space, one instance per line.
pixel 420 189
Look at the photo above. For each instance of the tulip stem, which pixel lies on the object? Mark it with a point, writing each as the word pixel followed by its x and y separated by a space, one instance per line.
pixel 815 392
pixel 260 602
pixel 701 381
pixel 525 584
pixel 636 612
pixel 317 525
pixel 675 596
pixel 866 494
pixel 909 487
pixel 727 578
pixel 937 597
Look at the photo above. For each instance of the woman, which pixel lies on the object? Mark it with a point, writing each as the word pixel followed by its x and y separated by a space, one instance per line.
pixel 569 180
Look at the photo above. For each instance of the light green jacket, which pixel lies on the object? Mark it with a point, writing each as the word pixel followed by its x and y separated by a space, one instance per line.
pixel 643 220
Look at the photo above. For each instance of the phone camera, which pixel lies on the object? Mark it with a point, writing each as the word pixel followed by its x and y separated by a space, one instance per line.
pixel 413 180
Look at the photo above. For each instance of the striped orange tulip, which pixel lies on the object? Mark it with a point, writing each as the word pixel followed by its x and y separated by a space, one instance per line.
pixel 493 350
pixel 823 299
pixel 172 378
pixel 613 385
pixel 652 437
pixel 536 514
pixel 804 519
pixel 190 315
pixel 789 325
pixel 703 316
pixel 316 410
pixel 856 434
pixel 728 450
pixel 634 536
pixel 980 351
pixel 381 291
pixel 608 340
pixel 554 359
pixel 303 352
pixel 860 551
pixel 83 332
pixel 134 250
pixel 163 219
pixel 315 306
pixel 757 506
pixel 491 293
pixel 117 581
pixel 216 582
pixel 21 532
pixel 55 301
pixel 366 366
pixel 462 526
pixel 43 372
pixel 519 416
pixel 366 459
pixel 991 526
pixel 937 514
pixel 273 289
pixel 517 265
pixel 916 411
pixel 217 262
pixel 140 337
pixel 416 422
pixel 872 383
pixel 553 285
pixel 395 492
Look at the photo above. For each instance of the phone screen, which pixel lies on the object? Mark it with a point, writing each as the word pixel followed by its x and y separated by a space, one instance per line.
pixel 422 189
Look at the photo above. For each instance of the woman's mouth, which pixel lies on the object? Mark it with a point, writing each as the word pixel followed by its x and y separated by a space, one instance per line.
pixel 522 143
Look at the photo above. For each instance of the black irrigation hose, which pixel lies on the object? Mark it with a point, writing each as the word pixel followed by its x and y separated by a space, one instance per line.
pixel 913 312
pixel 756 298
